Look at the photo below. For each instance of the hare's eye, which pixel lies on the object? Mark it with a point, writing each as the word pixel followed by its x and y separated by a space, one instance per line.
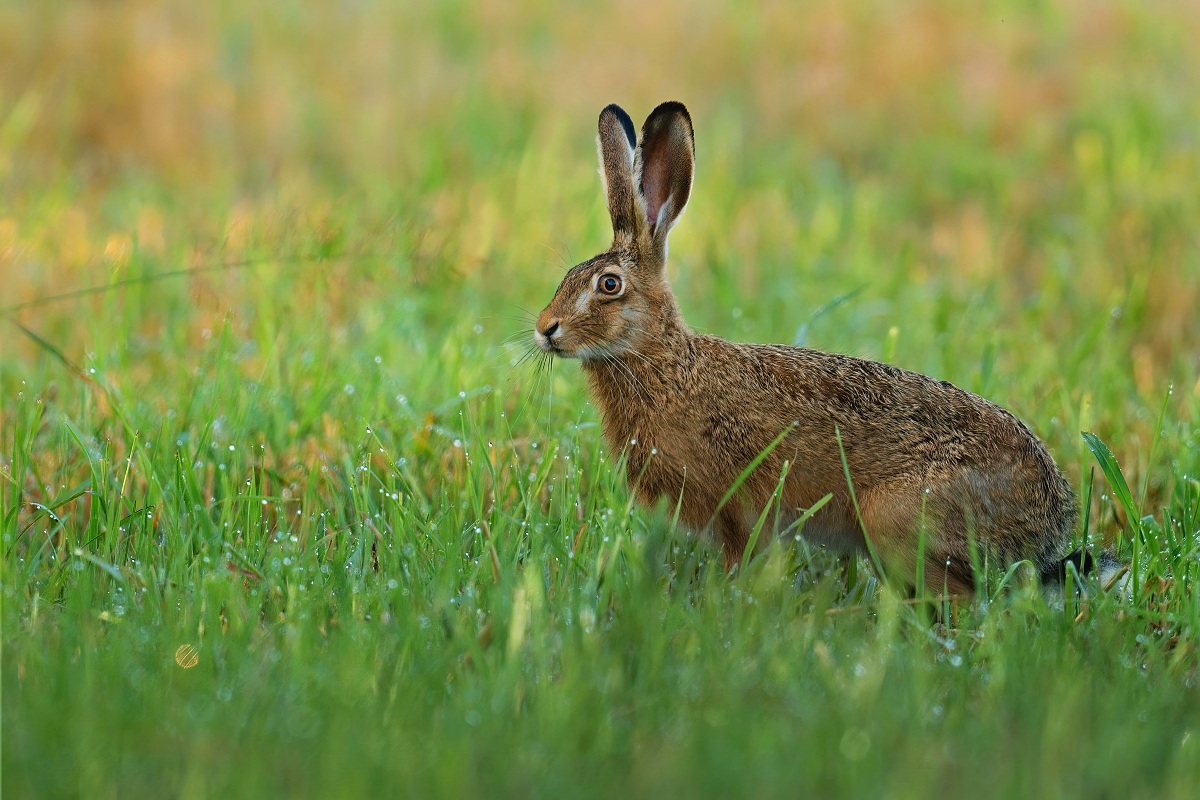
pixel 609 284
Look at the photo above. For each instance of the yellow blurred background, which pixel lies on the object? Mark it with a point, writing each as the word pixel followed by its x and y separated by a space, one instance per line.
pixel 185 132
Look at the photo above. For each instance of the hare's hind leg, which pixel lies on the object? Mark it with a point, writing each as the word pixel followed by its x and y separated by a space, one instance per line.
pixel 944 577
pixel 905 526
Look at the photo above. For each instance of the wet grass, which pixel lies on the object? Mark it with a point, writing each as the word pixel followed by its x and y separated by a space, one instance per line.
pixel 300 520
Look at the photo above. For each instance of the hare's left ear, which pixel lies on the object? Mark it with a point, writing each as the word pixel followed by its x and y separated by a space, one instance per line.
pixel 615 139
pixel 663 167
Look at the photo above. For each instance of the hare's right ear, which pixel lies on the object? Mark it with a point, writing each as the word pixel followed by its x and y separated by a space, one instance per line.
pixel 616 139
pixel 663 168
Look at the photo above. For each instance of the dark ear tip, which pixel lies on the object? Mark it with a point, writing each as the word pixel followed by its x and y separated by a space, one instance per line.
pixel 623 118
pixel 670 108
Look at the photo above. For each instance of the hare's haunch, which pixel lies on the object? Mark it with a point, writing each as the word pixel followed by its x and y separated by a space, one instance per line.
pixel 937 472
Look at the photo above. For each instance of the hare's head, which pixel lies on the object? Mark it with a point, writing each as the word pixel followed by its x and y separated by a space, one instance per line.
pixel 611 303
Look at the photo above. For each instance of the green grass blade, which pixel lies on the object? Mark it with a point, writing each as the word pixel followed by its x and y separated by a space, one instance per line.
pixel 1112 472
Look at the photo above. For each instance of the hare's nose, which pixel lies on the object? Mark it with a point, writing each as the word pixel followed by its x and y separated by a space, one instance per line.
pixel 550 329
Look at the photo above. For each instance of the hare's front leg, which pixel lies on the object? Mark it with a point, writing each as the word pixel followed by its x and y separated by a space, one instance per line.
pixel 733 533
pixel 699 511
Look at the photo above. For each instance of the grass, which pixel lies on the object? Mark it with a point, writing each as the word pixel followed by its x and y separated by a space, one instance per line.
pixel 405 563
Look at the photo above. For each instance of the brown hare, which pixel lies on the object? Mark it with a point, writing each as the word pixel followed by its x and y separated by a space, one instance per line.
pixel 935 472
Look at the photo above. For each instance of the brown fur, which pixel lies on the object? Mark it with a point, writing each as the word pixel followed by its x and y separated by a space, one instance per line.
pixel 693 411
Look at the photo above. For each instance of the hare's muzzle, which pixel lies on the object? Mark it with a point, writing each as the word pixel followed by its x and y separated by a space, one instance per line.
pixel 546 332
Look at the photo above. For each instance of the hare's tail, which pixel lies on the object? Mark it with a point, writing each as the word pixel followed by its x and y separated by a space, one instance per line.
pixel 1111 572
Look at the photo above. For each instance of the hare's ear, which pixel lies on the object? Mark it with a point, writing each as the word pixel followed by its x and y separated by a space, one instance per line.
pixel 616 141
pixel 663 167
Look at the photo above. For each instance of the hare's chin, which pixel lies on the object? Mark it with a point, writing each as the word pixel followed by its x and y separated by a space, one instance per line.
pixel 581 353
pixel 548 347
pixel 562 352
pixel 591 352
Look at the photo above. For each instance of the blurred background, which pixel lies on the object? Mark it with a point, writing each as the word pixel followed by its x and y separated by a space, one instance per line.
pixel 1003 194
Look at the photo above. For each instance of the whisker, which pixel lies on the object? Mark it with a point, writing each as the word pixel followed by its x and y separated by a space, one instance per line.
pixel 530 314
pixel 523 316
pixel 542 368
pixel 623 373
pixel 539 370
pixel 528 398
pixel 514 336
pixel 638 388
pixel 530 353
pixel 549 362
pixel 557 253
pixel 648 362
pixel 612 361
pixel 637 381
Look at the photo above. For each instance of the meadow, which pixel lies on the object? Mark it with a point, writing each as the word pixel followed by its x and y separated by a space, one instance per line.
pixel 284 513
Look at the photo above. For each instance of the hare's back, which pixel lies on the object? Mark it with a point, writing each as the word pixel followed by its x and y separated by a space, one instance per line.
pixel 882 412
